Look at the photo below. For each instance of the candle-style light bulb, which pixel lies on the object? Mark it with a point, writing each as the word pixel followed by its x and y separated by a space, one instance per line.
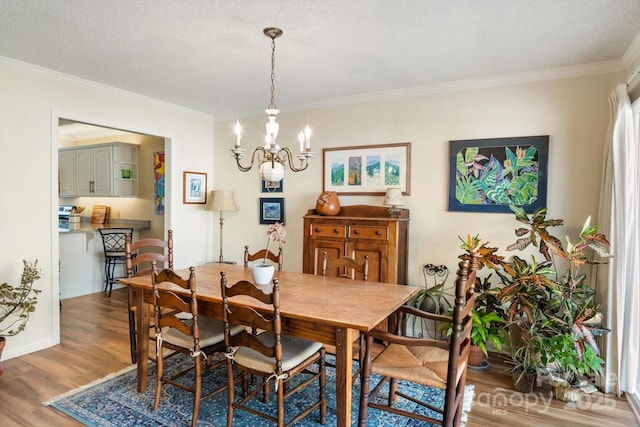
pixel 301 139
pixel 307 134
pixel 238 131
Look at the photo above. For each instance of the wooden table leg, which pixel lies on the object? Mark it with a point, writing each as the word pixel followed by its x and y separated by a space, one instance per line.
pixel 142 314
pixel 344 353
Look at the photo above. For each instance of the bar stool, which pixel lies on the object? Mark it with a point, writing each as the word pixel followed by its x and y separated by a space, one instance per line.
pixel 113 240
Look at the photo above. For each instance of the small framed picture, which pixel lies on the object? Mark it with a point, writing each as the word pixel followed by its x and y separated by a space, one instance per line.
pixel 271 210
pixel 271 186
pixel 195 187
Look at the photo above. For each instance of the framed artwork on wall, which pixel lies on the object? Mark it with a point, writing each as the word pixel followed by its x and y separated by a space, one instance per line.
pixel 271 210
pixel 367 169
pixel 487 175
pixel 194 187
pixel 271 186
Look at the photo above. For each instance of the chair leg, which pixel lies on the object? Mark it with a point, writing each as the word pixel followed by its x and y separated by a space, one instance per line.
pixel 230 392
pixel 365 372
pixel 280 386
pixel 393 388
pixel 106 274
pixel 323 394
pixel 132 325
pixel 197 392
pixel 160 374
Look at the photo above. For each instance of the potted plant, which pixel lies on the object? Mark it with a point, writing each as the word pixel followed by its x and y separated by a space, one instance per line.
pixel 488 324
pixel 263 272
pixel 561 304
pixel 17 303
pixel 433 299
pixel 524 350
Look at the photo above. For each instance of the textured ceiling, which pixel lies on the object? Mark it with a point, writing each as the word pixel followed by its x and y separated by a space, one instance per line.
pixel 211 55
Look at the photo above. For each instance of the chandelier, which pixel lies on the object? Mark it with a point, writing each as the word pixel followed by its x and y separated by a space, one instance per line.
pixel 271 157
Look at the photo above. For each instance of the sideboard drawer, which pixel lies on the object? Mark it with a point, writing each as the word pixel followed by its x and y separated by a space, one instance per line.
pixel 367 232
pixel 328 230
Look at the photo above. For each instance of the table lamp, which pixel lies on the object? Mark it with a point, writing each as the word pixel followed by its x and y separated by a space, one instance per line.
pixel 393 198
pixel 222 201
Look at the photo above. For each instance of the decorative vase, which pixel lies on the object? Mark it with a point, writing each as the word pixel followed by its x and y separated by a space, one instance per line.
pixel 262 274
pixel 328 203
pixel 3 342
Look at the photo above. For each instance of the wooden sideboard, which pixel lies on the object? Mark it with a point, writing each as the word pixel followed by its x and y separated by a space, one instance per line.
pixel 357 231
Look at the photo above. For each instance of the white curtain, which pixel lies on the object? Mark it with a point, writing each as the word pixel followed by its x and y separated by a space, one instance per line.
pixel 618 282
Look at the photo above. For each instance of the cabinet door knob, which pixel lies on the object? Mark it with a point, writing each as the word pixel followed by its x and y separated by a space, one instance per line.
pixel 356 231
pixel 378 233
pixel 336 230
pixel 317 230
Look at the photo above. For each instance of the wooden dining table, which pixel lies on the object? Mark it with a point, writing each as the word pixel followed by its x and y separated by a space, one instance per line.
pixel 326 309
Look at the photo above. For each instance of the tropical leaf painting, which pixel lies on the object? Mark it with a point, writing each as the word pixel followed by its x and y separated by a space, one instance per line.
pixel 489 175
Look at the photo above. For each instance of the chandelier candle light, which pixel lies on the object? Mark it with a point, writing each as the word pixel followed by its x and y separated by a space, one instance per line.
pixel 271 157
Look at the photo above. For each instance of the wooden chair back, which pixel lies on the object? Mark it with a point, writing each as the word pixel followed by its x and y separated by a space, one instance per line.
pixel 346 267
pixel 260 255
pixel 267 320
pixel 167 303
pixel 460 339
pixel 142 252
pixel 139 256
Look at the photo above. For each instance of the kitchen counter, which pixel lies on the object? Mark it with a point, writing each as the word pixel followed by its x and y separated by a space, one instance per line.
pixel 85 226
pixel 82 255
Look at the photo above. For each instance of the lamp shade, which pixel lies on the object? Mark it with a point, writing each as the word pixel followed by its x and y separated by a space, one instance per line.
pixel 393 197
pixel 223 201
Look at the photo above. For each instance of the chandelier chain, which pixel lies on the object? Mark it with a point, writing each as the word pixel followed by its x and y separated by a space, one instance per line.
pixel 272 104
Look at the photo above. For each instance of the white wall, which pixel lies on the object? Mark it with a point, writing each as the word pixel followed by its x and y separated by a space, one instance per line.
pixel 574 112
pixel 31 100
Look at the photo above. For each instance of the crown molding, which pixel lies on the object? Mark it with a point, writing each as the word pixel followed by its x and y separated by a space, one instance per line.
pixel 470 84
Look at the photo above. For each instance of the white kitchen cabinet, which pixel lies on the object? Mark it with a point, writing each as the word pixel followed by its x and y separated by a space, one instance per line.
pixel 105 170
pixel 93 171
pixel 67 173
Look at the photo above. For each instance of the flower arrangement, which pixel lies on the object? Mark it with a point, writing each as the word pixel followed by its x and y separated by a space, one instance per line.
pixel 275 233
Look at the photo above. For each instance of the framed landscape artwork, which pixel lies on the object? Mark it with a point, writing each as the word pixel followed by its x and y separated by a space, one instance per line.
pixel 271 210
pixel 488 175
pixel 367 169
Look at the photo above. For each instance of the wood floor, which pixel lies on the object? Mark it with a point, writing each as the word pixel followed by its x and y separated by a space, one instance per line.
pixel 94 343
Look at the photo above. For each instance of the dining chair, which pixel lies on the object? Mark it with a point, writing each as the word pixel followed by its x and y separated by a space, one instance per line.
pixel 114 255
pixel 269 354
pixel 347 267
pixel 138 258
pixel 426 362
pixel 260 255
pixel 180 328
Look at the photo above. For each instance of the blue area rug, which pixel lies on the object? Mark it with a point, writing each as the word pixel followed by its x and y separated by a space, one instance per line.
pixel 114 402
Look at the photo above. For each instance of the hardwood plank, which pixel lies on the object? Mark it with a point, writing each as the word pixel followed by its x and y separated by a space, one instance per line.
pixel 95 343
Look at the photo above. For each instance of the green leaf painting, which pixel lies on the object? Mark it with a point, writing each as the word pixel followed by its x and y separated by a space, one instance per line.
pixel 497 175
